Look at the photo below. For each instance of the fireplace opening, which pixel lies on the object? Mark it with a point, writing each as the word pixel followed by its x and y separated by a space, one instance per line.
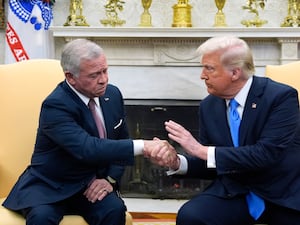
pixel 145 119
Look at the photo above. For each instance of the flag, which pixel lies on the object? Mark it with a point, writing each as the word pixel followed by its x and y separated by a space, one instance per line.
pixel 27 30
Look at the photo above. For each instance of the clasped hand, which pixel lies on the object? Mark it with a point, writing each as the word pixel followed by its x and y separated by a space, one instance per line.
pixel 161 153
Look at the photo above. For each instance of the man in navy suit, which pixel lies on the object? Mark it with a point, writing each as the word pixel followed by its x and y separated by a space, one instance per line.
pixel 73 170
pixel 263 166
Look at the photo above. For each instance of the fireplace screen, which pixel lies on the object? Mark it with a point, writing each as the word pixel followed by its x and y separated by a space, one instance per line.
pixel 145 120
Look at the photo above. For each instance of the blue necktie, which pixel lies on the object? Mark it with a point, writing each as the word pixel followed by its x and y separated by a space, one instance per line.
pixel 234 121
pixel 256 205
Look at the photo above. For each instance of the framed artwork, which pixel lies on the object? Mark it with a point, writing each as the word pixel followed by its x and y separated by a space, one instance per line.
pixel 2 17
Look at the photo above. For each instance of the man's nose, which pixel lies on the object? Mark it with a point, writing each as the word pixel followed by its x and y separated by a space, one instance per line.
pixel 203 76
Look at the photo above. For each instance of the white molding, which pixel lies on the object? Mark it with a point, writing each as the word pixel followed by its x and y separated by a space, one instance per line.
pixel 143 61
pixel 164 32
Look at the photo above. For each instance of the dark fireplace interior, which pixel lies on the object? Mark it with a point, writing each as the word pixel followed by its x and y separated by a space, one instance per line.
pixel 145 120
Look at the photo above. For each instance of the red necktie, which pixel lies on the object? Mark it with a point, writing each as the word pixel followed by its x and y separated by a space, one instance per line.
pixel 98 121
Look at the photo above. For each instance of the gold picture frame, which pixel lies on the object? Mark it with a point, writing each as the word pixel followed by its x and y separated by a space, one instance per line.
pixel 2 15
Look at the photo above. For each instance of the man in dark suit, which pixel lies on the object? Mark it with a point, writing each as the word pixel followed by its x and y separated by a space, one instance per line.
pixel 77 162
pixel 256 174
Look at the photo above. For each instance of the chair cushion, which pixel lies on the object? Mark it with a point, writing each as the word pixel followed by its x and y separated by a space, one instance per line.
pixel 9 217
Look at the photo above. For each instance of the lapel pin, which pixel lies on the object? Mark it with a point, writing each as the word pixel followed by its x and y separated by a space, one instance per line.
pixel 253 105
pixel 106 99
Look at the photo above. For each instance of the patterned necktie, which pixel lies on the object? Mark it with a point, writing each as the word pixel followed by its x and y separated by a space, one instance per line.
pixel 256 205
pixel 98 121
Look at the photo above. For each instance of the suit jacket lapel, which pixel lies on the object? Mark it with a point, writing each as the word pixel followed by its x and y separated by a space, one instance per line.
pixel 251 111
pixel 215 117
pixel 92 128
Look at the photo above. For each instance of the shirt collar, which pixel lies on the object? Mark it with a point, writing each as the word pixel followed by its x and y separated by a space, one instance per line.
pixel 83 97
pixel 243 93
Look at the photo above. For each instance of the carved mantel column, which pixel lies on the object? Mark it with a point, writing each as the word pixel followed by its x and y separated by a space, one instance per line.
pixel 289 49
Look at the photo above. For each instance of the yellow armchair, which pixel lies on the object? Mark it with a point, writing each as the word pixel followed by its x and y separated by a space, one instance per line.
pixel 287 73
pixel 23 86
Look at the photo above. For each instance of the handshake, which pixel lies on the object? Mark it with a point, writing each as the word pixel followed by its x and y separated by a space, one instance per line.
pixel 162 153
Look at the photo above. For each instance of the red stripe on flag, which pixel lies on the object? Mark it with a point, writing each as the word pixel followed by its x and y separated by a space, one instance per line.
pixel 15 44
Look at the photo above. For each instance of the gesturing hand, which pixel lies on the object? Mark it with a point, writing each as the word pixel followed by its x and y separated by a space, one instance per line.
pixel 183 137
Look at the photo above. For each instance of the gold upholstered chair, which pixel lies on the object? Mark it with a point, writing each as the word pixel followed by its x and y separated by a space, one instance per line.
pixel 287 73
pixel 23 86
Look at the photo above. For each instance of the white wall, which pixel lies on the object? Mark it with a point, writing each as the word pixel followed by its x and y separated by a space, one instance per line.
pixel 203 13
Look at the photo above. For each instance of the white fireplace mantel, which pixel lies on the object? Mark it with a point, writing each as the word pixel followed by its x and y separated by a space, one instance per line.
pixel 288 38
pixel 168 32
pixel 143 61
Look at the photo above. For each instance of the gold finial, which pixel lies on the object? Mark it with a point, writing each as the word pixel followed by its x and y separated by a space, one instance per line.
pixel 2 16
pixel 112 7
pixel 182 14
pixel 252 6
pixel 220 16
pixel 76 17
pixel 146 16
pixel 293 17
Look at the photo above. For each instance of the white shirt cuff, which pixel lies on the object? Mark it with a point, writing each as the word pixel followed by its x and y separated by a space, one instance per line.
pixel 183 167
pixel 138 147
pixel 211 159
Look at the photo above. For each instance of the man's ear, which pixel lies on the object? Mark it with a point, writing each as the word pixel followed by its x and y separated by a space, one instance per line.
pixel 236 73
pixel 70 77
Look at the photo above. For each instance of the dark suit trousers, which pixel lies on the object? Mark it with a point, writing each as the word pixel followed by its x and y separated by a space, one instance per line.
pixel 109 211
pixel 211 210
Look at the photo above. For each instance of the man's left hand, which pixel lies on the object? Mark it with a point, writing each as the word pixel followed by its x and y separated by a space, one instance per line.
pixel 97 190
